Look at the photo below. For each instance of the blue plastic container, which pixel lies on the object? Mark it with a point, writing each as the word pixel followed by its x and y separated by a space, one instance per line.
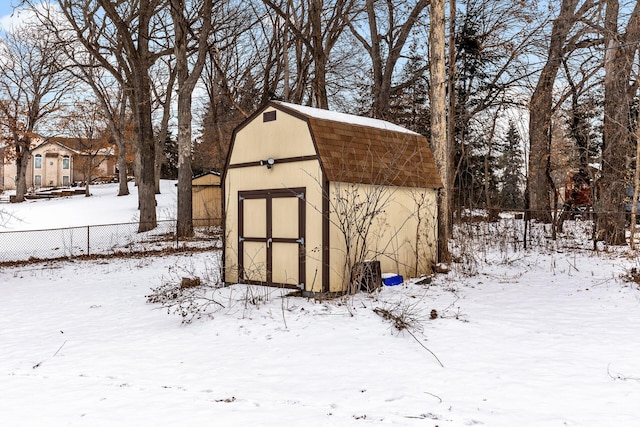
pixel 393 280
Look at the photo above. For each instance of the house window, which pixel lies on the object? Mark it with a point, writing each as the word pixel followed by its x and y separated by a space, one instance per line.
pixel 37 180
pixel 38 161
pixel 65 163
pixel 269 116
pixel 65 180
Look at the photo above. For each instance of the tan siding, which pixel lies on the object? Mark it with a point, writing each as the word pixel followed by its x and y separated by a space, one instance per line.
pixel 206 200
pixel 285 137
pixel 208 179
pixel 407 213
pixel 206 204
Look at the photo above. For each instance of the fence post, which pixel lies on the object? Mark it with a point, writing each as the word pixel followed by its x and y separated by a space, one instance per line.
pixel 177 237
pixel 88 246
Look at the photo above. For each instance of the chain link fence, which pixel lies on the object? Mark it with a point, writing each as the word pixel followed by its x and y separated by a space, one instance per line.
pixel 110 239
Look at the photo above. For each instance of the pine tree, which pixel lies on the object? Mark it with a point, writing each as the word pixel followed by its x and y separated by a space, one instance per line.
pixel 169 169
pixel 409 103
pixel 512 163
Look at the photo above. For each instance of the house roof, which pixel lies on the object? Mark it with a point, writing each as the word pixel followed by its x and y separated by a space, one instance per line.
pixel 367 151
pixel 78 146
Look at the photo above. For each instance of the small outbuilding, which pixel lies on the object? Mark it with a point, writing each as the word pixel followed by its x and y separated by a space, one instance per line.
pixel 206 199
pixel 310 194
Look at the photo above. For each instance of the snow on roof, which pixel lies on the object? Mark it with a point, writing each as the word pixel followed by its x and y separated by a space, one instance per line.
pixel 344 118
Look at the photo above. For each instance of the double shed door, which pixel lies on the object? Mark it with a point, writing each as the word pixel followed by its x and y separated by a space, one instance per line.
pixel 271 237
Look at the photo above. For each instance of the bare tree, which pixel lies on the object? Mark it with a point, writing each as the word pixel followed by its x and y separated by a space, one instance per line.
pixel 241 73
pixel 388 30
pixel 318 31
pixel 87 127
pixel 125 38
pixel 541 107
pixel 186 39
pixel 439 140
pixel 494 42
pixel 162 87
pixel 111 97
pixel 620 87
pixel 32 86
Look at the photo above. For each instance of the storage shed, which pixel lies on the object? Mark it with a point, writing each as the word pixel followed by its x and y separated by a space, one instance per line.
pixel 309 193
pixel 206 199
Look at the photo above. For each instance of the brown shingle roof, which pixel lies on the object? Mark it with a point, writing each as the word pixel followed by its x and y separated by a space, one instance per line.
pixel 381 154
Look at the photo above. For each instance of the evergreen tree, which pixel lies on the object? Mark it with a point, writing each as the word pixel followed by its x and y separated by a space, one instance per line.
pixel 409 104
pixel 169 168
pixel 512 163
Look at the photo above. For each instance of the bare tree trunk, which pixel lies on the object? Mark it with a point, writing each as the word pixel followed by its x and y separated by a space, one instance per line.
pixel 451 119
pixel 123 185
pixel 164 126
pixel 319 83
pixel 22 160
pixel 636 190
pixel 87 176
pixel 186 83
pixel 185 173
pixel 439 123
pixel 146 179
pixel 157 167
pixel 491 210
pixel 146 150
pixel 385 51
pixel 618 96
pixel 541 111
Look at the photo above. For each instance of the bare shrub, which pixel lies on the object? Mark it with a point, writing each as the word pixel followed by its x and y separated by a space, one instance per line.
pixel 187 294
pixel 191 302
pixel 407 316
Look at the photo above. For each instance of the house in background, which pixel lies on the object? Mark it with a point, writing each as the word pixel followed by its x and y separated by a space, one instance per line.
pixel 59 162
pixel 300 182
pixel 98 152
pixel 51 165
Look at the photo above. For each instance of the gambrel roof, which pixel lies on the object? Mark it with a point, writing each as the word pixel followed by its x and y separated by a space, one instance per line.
pixel 366 151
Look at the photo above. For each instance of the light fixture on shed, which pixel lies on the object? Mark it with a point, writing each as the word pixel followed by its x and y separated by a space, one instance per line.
pixel 268 163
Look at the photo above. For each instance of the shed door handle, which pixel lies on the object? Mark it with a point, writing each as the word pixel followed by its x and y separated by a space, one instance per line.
pixel 269 240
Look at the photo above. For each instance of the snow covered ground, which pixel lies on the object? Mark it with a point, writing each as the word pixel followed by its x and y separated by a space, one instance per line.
pixel 536 338
pixel 101 224
pixel 103 207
